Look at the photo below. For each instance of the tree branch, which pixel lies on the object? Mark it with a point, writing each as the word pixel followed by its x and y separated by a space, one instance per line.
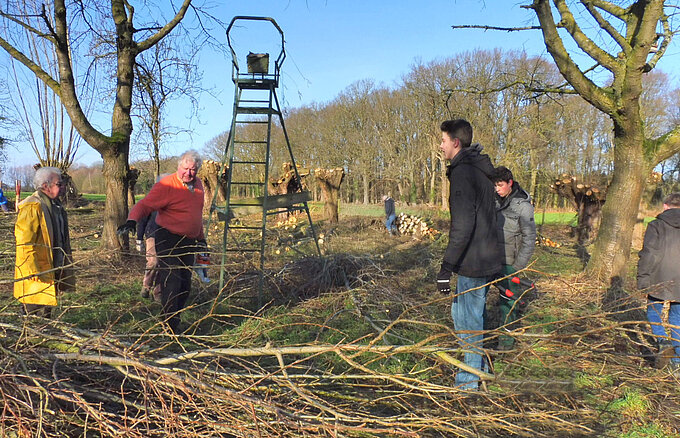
pixel 582 40
pixel 666 146
pixel 604 24
pixel 598 97
pixel 28 26
pixel 666 38
pixel 35 68
pixel 67 88
pixel 484 27
pixel 609 7
pixel 165 30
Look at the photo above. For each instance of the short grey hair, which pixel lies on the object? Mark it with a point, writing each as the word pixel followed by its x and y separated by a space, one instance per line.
pixel 44 175
pixel 193 156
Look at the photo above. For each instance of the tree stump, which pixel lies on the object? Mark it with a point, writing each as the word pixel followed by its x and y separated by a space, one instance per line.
pixel 71 198
pixel 132 177
pixel 287 183
pixel 587 199
pixel 213 180
pixel 330 181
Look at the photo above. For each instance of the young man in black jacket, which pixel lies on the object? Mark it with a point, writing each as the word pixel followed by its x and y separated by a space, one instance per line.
pixel 473 251
pixel 659 276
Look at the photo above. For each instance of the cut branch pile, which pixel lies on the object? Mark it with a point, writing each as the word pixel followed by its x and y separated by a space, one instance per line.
pixel 409 224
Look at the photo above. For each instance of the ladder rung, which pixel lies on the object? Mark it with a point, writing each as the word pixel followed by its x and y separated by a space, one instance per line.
pixel 243 227
pixel 255 110
pixel 241 183
pixel 249 162
pixel 285 210
pixel 253 101
pixel 250 142
pixel 252 121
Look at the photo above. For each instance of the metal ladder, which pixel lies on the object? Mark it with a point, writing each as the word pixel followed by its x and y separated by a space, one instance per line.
pixel 248 153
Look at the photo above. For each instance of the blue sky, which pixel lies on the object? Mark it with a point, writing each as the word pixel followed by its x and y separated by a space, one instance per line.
pixel 332 43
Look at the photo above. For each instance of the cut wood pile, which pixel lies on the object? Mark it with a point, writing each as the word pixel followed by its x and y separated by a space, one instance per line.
pixel 417 226
pixel 545 241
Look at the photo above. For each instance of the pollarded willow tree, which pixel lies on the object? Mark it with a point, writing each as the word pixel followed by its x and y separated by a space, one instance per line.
pixel 93 30
pixel 632 30
pixel 626 39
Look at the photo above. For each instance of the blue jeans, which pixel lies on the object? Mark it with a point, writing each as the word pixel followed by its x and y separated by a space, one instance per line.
pixel 654 312
pixel 389 223
pixel 468 311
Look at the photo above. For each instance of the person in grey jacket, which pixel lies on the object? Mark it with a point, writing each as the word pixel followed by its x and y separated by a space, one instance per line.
pixel 659 276
pixel 517 235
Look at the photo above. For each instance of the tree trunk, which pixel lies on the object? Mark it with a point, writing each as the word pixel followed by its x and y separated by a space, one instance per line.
pixel 433 178
pixel 366 187
pixel 619 214
pixel 213 181
pixel 114 170
pixel 330 182
pixel 133 175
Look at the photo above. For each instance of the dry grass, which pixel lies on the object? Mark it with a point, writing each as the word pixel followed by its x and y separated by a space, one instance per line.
pixel 344 347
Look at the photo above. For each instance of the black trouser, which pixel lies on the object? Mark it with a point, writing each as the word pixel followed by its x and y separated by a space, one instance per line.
pixel 175 260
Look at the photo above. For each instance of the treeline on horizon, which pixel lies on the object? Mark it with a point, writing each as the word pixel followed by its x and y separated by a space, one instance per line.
pixel 387 138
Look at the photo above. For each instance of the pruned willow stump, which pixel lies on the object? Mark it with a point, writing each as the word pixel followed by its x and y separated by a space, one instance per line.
pixel 587 199
pixel 330 181
pixel 132 177
pixel 214 177
pixel 287 182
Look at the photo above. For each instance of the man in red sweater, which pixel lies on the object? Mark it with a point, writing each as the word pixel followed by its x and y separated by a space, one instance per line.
pixel 178 199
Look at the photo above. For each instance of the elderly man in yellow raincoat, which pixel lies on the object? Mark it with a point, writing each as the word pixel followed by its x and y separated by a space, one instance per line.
pixel 43 247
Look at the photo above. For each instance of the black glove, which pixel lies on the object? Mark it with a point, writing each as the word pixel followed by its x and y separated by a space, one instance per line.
pixel 202 245
pixel 444 281
pixel 128 227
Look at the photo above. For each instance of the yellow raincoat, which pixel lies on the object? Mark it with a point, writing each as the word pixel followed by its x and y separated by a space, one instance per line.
pixel 36 278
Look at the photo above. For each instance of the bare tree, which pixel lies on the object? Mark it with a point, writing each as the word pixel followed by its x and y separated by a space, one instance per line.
pixel 621 39
pixel 163 74
pixel 635 154
pixel 78 30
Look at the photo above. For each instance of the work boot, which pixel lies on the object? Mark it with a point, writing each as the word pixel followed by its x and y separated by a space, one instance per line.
pixel 664 354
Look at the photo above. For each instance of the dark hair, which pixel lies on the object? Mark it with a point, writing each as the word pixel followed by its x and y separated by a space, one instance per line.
pixel 672 200
pixel 501 173
pixel 460 129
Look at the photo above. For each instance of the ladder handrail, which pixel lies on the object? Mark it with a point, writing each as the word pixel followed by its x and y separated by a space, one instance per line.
pixel 234 58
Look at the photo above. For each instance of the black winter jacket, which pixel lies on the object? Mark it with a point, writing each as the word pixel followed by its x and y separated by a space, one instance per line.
pixel 389 207
pixel 473 249
pixel 659 264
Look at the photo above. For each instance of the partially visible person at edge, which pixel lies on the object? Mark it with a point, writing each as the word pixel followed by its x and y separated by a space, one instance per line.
pixel 43 247
pixel 178 199
pixel 473 251
pixel 390 214
pixel 659 276
pixel 4 202
pixel 517 236
pixel 146 242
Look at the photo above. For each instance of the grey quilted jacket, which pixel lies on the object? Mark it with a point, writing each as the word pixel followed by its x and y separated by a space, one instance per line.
pixel 516 227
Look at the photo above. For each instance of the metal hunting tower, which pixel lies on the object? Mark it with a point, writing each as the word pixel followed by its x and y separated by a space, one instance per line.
pixel 249 152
